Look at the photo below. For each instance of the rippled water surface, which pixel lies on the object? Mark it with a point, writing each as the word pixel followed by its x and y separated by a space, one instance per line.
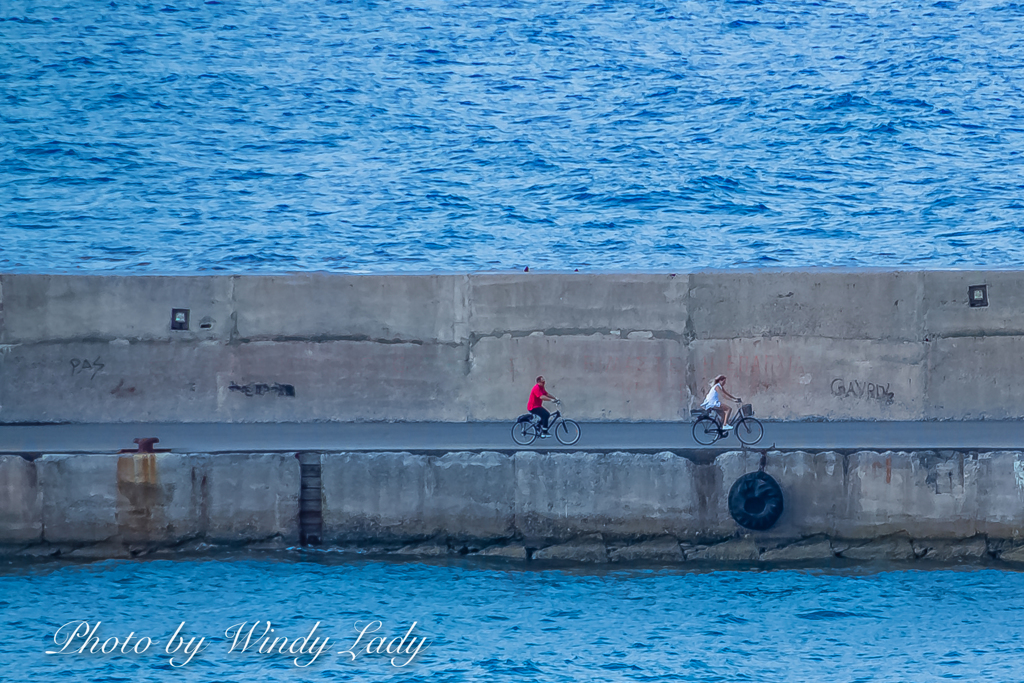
pixel 497 622
pixel 425 135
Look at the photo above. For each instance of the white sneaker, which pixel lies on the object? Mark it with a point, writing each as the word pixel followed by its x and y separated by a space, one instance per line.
pixel 728 427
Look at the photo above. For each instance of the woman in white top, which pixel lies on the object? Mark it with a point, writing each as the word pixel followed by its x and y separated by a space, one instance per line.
pixel 714 400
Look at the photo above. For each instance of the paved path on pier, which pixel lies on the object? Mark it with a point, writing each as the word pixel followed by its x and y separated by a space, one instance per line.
pixel 420 436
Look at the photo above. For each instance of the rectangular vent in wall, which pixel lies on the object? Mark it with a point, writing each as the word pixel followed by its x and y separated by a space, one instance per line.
pixel 179 318
pixel 977 295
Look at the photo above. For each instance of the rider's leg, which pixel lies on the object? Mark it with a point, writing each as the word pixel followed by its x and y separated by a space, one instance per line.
pixel 726 412
pixel 543 414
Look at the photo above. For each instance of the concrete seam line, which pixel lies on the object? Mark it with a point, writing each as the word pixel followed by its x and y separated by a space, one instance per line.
pixel 515 496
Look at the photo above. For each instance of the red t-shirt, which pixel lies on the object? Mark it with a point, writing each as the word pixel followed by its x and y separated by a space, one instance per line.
pixel 535 397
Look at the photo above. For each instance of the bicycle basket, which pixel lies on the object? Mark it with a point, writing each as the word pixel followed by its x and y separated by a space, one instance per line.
pixel 746 410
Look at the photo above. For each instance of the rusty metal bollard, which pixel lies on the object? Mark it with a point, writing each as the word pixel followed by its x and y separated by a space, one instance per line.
pixel 145 446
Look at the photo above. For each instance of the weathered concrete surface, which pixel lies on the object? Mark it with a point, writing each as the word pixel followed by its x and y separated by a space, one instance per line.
pixel 840 344
pixel 402 496
pixel 321 306
pixel 945 550
pixel 150 500
pixel 975 378
pixel 21 515
pixel 862 303
pixel 641 378
pixel 429 549
pixel 302 381
pixel 257 382
pixel 514 551
pixel 75 308
pixel 625 507
pixel 784 376
pixel 896 547
pixel 589 549
pixel 559 496
pixel 946 312
pixel 662 549
pixel 160 498
pixel 915 492
pixel 583 507
pixel 732 550
pixel 814 485
pixel 97 381
pixel 814 549
pixel 251 496
pixel 578 304
pixel 79 498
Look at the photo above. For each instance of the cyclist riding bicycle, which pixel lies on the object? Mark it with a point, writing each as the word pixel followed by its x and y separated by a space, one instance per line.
pixel 536 405
pixel 714 400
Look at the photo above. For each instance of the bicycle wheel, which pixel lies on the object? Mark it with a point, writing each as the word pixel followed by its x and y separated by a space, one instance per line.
pixel 749 430
pixel 524 433
pixel 705 431
pixel 567 431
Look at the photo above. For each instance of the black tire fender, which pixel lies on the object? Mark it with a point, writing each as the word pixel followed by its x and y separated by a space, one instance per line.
pixel 756 501
pixel 525 417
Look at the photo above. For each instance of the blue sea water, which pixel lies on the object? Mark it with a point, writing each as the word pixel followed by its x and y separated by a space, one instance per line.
pixel 363 136
pixel 497 622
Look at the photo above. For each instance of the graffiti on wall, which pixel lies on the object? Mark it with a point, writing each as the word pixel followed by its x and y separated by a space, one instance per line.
pixel 81 366
pixel 756 370
pixel 866 390
pixel 261 389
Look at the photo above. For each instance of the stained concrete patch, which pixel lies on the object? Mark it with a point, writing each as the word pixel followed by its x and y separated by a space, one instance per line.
pixel 954 550
pixel 9 549
pixel 585 549
pixel 428 549
pixel 733 550
pixel 100 551
pixel 403 496
pixel 46 550
pixel 21 514
pixel 252 497
pixel 888 548
pixel 1013 555
pixel 560 496
pixel 664 549
pixel 159 497
pixel 79 495
pixel 808 550
pixel 513 552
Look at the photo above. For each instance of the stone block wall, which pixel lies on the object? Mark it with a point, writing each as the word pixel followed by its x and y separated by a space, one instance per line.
pixel 837 344
pixel 596 507
pixel 121 504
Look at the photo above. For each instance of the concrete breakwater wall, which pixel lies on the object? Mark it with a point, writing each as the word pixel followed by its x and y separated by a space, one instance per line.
pixel 595 507
pixel 836 344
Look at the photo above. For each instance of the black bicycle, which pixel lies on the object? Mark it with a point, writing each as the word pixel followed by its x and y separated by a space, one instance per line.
pixel 526 430
pixel 707 428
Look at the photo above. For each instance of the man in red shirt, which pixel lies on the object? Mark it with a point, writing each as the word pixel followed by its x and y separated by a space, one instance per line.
pixel 536 405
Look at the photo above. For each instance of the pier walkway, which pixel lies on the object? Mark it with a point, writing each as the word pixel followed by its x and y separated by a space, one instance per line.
pixel 433 436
